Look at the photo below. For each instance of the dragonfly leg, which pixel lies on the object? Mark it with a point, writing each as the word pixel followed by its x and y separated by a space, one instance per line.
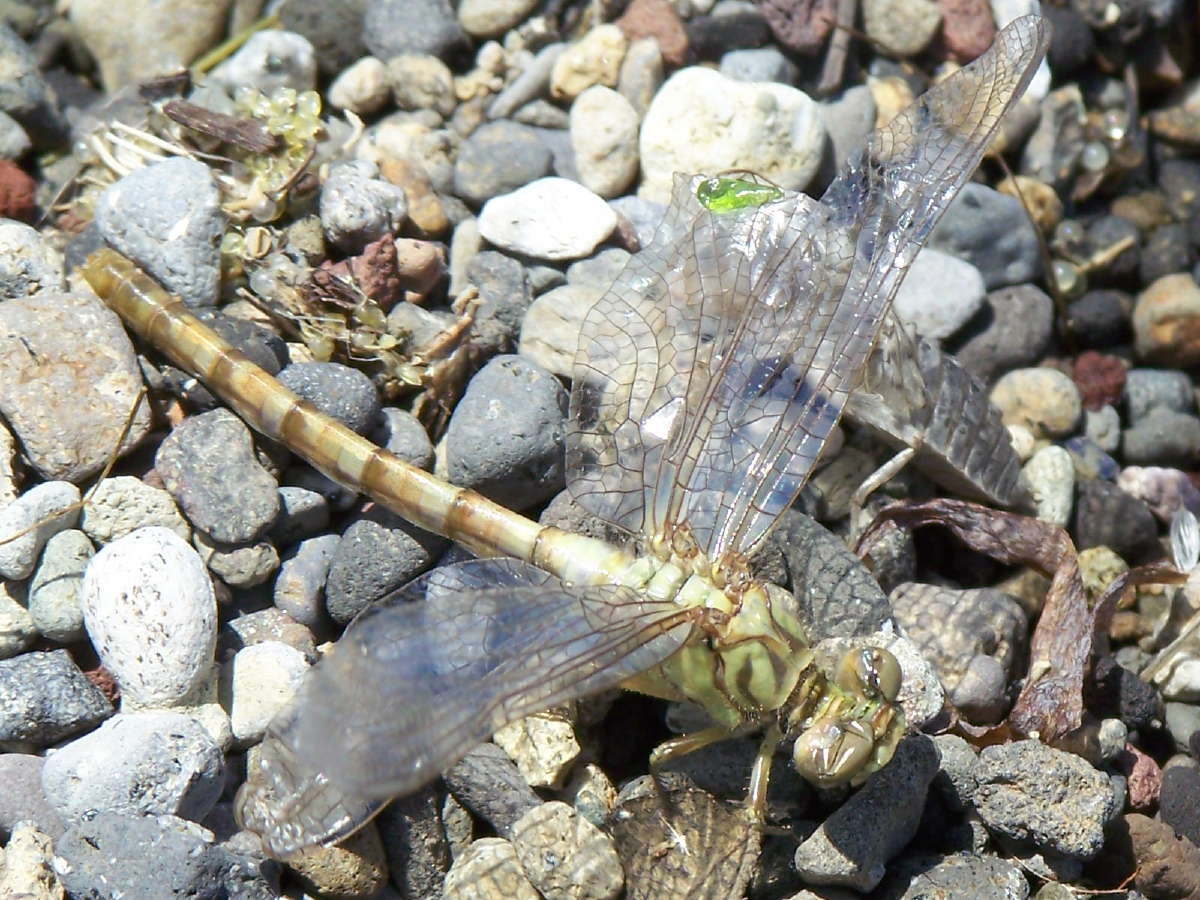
pixel 878 479
pixel 687 743
pixel 760 775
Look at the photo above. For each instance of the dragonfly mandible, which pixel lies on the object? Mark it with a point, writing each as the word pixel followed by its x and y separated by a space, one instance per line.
pixel 708 380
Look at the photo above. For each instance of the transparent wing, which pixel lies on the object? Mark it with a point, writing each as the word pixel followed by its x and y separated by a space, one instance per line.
pixel 711 375
pixel 422 677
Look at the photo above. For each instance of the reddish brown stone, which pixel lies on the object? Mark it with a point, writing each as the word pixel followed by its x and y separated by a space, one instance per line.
pixel 800 25
pixel 657 19
pixel 967 28
pixel 16 192
pixel 103 679
pixel 1143 778
pixel 1099 377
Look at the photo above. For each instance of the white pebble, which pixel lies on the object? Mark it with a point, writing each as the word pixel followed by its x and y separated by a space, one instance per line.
pixel 551 218
pixel 26 514
pixel 363 88
pixel 150 610
pixel 604 135
pixel 1050 475
pixel 263 679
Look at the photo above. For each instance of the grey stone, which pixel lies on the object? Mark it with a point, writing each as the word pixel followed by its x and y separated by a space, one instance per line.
pixel 208 465
pixel 487 782
pixel 853 846
pixel 14 140
pixel 504 296
pixel 414 842
pixel 54 593
pixel 565 855
pixel 497 158
pixel 299 588
pixel 17 631
pixel 339 391
pixel 849 119
pixel 335 30
pixel 532 83
pixel 302 514
pixel 991 231
pixel 377 554
pixel 392 27
pixel 955 781
pixel 957 875
pixel 270 61
pixel 265 625
pixel 1052 800
pixel 505 437
pixel 644 215
pixel 122 504
pixel 1106 516
pixel 63 346
pixel 135 857
pixel 761 64
pixel 357 207
pixel 238 565
pixel 28 264
pixel 22 798
pixel 1103 426
pixel 144 763
pixel 1162 437
pixel 50 507
pixel 1149 389
pixel 400 432
pixel 167 217
pixel 939 294
pixel 24 93
pixel 1011 331
pixel 45 698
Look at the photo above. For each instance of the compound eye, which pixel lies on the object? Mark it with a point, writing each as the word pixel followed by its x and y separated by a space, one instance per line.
pixel 871 672
pixel 833 751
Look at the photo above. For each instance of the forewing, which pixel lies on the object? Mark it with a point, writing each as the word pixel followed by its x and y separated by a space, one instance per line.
pixel 419 679
pixel 722 363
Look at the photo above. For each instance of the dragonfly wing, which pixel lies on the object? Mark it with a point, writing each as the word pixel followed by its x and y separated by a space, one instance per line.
pixel 760 324
pixel 422 677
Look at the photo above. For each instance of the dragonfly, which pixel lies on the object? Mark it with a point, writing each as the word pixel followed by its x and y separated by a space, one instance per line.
pixel 708 380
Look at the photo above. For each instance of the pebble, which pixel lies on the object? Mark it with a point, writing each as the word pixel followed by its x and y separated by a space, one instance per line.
pixel 1149 389
pixel 334 29
pixel 1143 776
pixel 777 132
pixel 357 207
pixel 420 82
pixel 208 464
pixel 951 627
pixel 1050 475
pixel 1044 400
pixel 378 553
pixel 414 841
pixel 22 798
pixel 1099 567
pixel 594 59
pixel 1179 801
pixel 981 695
pixel 604 138
pixel 355 867
pixel 50 507
pixel 1100 318
pixel 269 61
pixel 54 591
pixel 1162 437
pixel 491 18
pixel 1052 800
pixel 28 264
pixel 401 433
pixel 849 120
pixel 565 856
pixel 393 27
pixel 65 346
pixel 28 870
pixel 1182 721
pixel 939 294
pixel 302 514
pixel 1181 681
pixel 161 45
pixel 1045 207
pixel 342 392
pixel 363 89
pixel 1117 691
pixel 121 504
pixel 1100 378
pixel 167 218
pixel 543 746
pixel 426 210
pixel 1052 152
pixel 901 28
pixel 262 680
pixel 150 611
pixel 1166 322
pixel 589 790
pixel 268 625
pixel 532 83
pixel 45 698
pixel 111 854
pixel 1014 331
pixel 852 847
pixel 657 20
pixel 17 189
pixel 17 631
pixel 1090 461
pixel 10 467
pixel 1103 426
pixel 237 565
pixel 488 870
pixel 505 436
pixel 552 218
pixel 761 64
pixel 299 588
pixel 1165 252
pixel 991 231
pixel 144 763
pixel 498 158
pixel 486 782
pixel 1165 491
pixel 641 74
pixel 1106 516
pixel 550 329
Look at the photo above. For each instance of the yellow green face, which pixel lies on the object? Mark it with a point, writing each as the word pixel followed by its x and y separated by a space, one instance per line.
pixel 722 194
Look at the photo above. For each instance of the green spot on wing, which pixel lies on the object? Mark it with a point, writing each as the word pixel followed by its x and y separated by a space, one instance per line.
pixel 722 194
